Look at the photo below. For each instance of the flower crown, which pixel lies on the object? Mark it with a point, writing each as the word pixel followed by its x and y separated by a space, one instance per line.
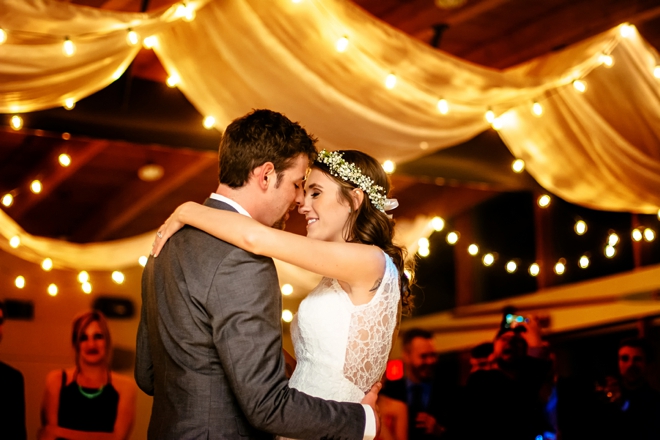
pixel 349 172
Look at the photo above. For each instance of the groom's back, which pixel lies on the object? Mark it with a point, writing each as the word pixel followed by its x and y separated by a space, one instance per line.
pixel 192 394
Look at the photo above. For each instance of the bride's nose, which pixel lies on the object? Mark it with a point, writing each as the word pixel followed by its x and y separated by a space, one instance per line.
pixel 304 207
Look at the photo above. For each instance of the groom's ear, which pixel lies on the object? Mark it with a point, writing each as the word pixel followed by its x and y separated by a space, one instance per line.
pixel 265 175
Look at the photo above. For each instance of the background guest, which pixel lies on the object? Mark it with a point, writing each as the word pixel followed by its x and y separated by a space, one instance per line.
pixel 88 401
pixel 481 357
pixel 12 396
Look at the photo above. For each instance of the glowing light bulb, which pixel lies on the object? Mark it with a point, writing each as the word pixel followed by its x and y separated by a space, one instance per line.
pixel 15 241
pixel 606 60
pixel 68 47
pixel 518 166
pixel 36 186
pixel 3 36
pixel 584 262
pixel 190 14
pixel 544 201
pixel 423 252
pixel 560 268
pixel 627 30
pixel 69 103
pixel 656 72
pixel 64 159
pixel 118 277
pixel 173 80
pixel 8 200
pixel 132 37
pixel 390 81
pixel 473 249
pixel 19 282
pixel 580 227
pixel 287 316
pixel 649 234
pixel 443 106
pixel 209 122
pixel 537 109
pixel 423 242
pixel 52 290
pixel 342 44
pixel 47 264
pixel 498 124
pixel 452 237
pixel 580 85
pixel 438 223
pixel 389 166
pixel 490 116
pixel 612 239
pixel 287 289
pixel 425 145
pixel 610 251
pixel 637 235
pixel 118 73
pixel 150 42
pixel 511 266
pixel 83 277
pixel 534 269
pixel 407 273
pixel 86 287
pixel 142 261
pixel 16 122
pixel 488 259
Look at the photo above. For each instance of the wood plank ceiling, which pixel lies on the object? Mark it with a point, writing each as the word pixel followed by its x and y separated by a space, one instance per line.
pixel 139 121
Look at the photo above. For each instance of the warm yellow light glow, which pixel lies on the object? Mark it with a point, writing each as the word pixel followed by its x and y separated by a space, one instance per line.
pixel 185 11
pixel 606 60
pixel 627 30
pixel 142 261
pixel 389 166
pixel 287 289
pixel 118 73
pixel 473 249
pixel 64 159
pixel 637 235
pixel 580 227
pixel 488 259
pixel 580 85
pixel 52 290
pixel 86 287
pixel 16 122
pixel 287 316
pixel 83 277
pixel 452 237
pixel 150 42
pixel 612 239
pixel 173 80
pixel 296 1
pixel 443 106
pixel 423 252
pixel 656 72
pixel 534 269
pixel 537 109
pixel 518 166
pixel 584 262
pixel 20 281
pixel 544 201
pixel 342 44
pixel 118 277
pixel 3 36
pixel 132 37
pixel 36 186
pixel 490 116
pixel 658 214
pixel 7 200
pixel 390 81
pixel 511 266
pixel 423 242
pixel 189 15
pixel 69 103
pixel 15 241
pixel 47 264
pixel 497 124
pixel 438 223
pixel 209 122
pixel 560 268
pixel 425 145
pixel 68 47
pixel 610 251
pixel 649 234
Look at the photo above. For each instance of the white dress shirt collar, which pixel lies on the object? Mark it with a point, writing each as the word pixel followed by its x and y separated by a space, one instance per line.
pixel 231 203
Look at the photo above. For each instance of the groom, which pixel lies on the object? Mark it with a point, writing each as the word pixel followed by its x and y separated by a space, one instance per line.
pixel 209 344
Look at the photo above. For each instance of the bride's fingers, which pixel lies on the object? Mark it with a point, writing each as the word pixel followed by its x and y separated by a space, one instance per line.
pixel 159 241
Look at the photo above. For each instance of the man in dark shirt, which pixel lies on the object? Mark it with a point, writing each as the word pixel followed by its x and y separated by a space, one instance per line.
pixel 12 397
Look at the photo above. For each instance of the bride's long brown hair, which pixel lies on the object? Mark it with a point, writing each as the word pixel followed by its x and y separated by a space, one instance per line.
pixel 368 225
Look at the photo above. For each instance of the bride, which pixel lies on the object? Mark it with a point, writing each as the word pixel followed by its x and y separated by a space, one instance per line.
pixel 344 328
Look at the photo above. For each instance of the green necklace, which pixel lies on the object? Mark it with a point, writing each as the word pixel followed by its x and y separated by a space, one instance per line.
pixel 96 393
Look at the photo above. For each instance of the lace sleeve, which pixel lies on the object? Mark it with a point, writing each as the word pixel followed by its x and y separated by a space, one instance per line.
pixel 370 333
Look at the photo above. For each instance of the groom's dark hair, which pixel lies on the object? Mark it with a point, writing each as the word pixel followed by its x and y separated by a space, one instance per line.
pixel 261 136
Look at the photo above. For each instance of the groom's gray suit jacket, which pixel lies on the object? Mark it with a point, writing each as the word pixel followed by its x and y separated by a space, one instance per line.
pixel 209 349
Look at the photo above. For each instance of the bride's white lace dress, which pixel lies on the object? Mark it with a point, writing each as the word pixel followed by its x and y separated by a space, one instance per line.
pixel 342 349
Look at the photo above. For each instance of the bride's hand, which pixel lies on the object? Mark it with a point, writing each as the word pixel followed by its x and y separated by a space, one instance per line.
pixel 167 229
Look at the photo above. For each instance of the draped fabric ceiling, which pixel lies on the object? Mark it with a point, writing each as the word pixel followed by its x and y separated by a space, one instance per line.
pixel 598 149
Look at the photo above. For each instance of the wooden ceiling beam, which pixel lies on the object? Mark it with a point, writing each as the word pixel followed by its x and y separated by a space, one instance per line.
pixel 137 197
pixel 52 174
